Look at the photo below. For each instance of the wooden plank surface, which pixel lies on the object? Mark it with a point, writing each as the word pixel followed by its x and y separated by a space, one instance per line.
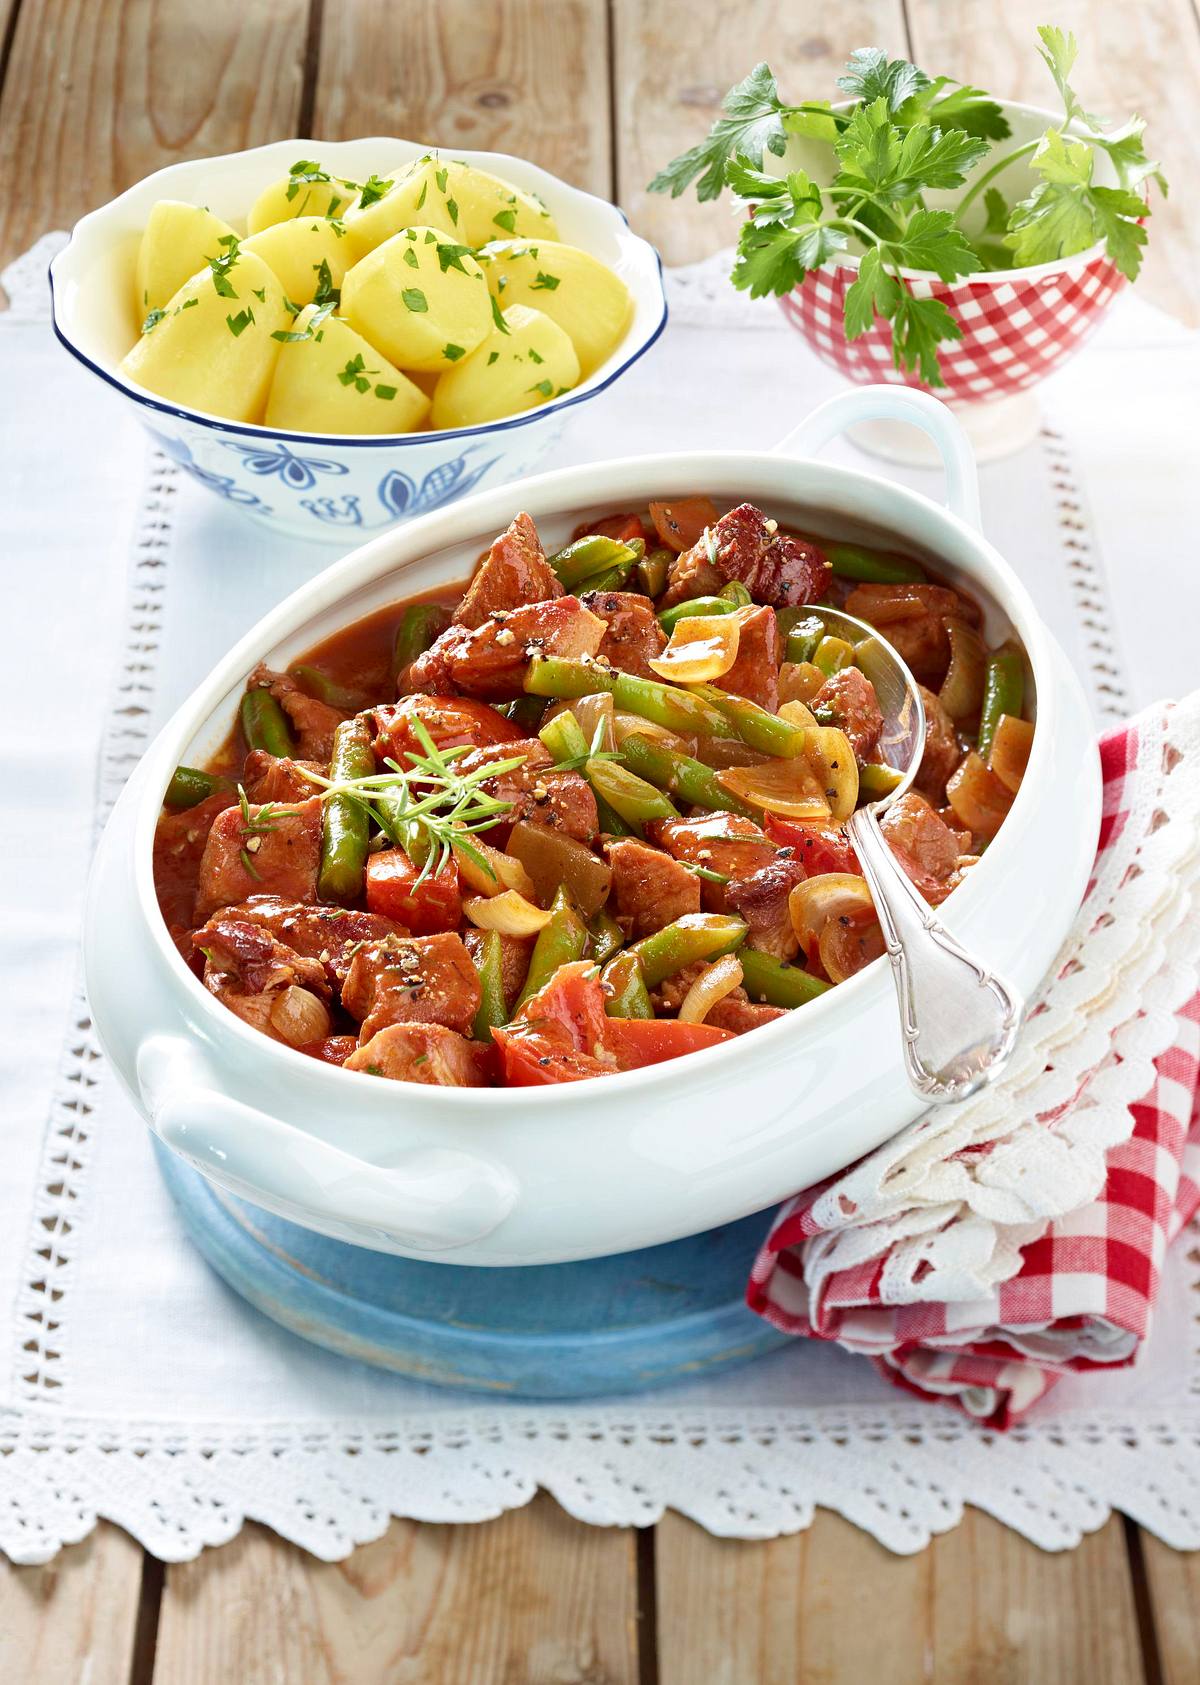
pixel 74 1619
pixel 100 92
pixel 532 1597
pixel 981 1606
pixel 672 66
pixel 528 77
pixel 1142 57
pixel 1173 1584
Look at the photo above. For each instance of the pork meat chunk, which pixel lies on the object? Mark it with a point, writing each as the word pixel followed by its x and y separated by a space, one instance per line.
pixel 261 850
pixel 632 634
pixel 412 980
pixel 514 571
pixel 490 660
pixel 650 888
pixel 427 1053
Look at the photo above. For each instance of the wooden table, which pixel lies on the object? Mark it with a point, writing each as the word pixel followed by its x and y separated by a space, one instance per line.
pixel 93 95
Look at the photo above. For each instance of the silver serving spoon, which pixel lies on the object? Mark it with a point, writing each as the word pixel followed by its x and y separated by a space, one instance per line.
pixel 959 1020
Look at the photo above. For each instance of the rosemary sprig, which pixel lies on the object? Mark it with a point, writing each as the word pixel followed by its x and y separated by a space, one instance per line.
pixel 256 827
pixel 429 808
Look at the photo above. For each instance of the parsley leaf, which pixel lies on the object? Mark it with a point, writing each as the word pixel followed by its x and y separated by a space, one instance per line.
pixel 752 125
pixel 1067 212
pixel 964 108
pixel 500 324
pixel 933 240
pixel 506 220
pixel 451 256
pixel 996 208
pixel 153 319
pixel 775 258
pixel 875 292
pixel 414 299
pixel 871 75
pixel 918 327
pixel 373 189
pixel 453 352
pixel 326 292
pixel 238 324
pixel 544 283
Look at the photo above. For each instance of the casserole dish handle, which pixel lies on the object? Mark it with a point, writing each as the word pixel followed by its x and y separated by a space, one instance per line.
pixel 897 403
pixel 428 1200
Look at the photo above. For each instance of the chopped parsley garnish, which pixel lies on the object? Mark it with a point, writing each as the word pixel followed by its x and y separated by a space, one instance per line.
pixel 305 170
pixel 188 304
pixel 533 356
pixel 411 258
pixel 260 294
pixel 355 374
pixel 239 323
pixel 414 299
pixel 451 256
pixel 373 190
pixel 453 352
pixel 544 283
pixel 452 207
pixel 326 292
pixel 498 318
pixel 421 195
pixel 441 177
pixel 545 387
pixel 294 336
pixel 386 392
pixel 221 266
pixel 507 220
pixel 493 357
pixel 153 319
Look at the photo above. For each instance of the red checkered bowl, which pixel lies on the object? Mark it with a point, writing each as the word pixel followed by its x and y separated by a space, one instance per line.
pixel 1017 324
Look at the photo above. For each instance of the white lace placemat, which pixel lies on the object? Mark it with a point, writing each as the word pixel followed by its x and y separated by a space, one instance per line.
pixel 133 1385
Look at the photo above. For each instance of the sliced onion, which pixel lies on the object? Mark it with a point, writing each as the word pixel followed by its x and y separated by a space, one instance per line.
pixel 979 799
pixel 498 871
pixel 830 756
pixel 633 725
pixel 509 913
pixel 799 681
pixel 789 788
pixel 716 981
pixel 796 712
pixel 831 895
pixel 1009 755
pixel 593 712
pixel 721 752
pixel 961 694
pixel 297 1016
pixel 702 647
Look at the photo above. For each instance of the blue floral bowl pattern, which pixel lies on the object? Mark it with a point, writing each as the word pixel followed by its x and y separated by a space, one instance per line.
pixel 322 486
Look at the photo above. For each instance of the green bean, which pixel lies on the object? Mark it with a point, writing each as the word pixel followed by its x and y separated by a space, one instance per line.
pixel 803 637
pixel 559 942
pixel 345 826
pixel 630 796
pixel 680 775
pixel 610 821
pixel 325 689
pixel 1003 693
pixel 768 979
pixel 607 937
pixel 493 1008
pixel 264 723
pixel 695 607
pixel 681 711
pixel 876 779
pixel 754 725
pixel 187 787
pixel 873 567
pixel 623 982
pixel 613 579
pixel 420 626
pixel 653 571
pixel 832 654
pixel 737 594
pixel 695 936
pixel 594 554
pixel 563 737
pixel 527 711
pixel 678 710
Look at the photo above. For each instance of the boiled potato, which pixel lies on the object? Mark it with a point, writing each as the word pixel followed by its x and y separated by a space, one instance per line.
pixel 329 380
pixel 177 240
pixel 571 286
pixel 307 190
pixel 466 203
pixel 212 346
pixel 419 298
pixel 296 250
pixel 527 361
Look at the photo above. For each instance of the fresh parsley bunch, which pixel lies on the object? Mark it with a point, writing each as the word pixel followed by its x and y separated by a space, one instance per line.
pixel 903 135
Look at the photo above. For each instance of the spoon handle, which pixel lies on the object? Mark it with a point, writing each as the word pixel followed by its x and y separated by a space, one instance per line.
pixel 959 1020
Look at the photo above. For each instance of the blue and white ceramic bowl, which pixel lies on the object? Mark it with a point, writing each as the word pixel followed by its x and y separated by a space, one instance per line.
pixel 330 486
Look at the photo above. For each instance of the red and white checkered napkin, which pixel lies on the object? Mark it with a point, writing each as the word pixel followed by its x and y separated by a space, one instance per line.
pixel 995 1246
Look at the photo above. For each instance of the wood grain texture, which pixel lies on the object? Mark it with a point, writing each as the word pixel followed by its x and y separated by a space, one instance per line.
pixel 1143 57
pixel 981 1606
pixel 528 77
pixel 74 1619
pixel 674 61
pixel 1173 1580
pixel 101 92
pixel 532 1597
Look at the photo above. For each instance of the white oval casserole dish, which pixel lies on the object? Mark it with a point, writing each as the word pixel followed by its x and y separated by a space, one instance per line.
pixel 533 1176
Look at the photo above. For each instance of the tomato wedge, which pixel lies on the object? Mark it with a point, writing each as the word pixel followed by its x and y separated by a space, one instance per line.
pixel 423 908
pixel 819 848
pixel 681 523
pixel 621 527
pixel 648 1041
pixel 535 1054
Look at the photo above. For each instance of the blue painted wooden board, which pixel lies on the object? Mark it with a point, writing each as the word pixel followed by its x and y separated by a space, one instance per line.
pixel 606 1325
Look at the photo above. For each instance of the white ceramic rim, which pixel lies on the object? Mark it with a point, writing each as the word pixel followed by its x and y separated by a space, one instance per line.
pixel 994 277
pixel 467 519
pixel 170 175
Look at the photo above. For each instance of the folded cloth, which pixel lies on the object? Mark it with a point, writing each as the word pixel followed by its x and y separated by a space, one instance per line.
pixel 994 1246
